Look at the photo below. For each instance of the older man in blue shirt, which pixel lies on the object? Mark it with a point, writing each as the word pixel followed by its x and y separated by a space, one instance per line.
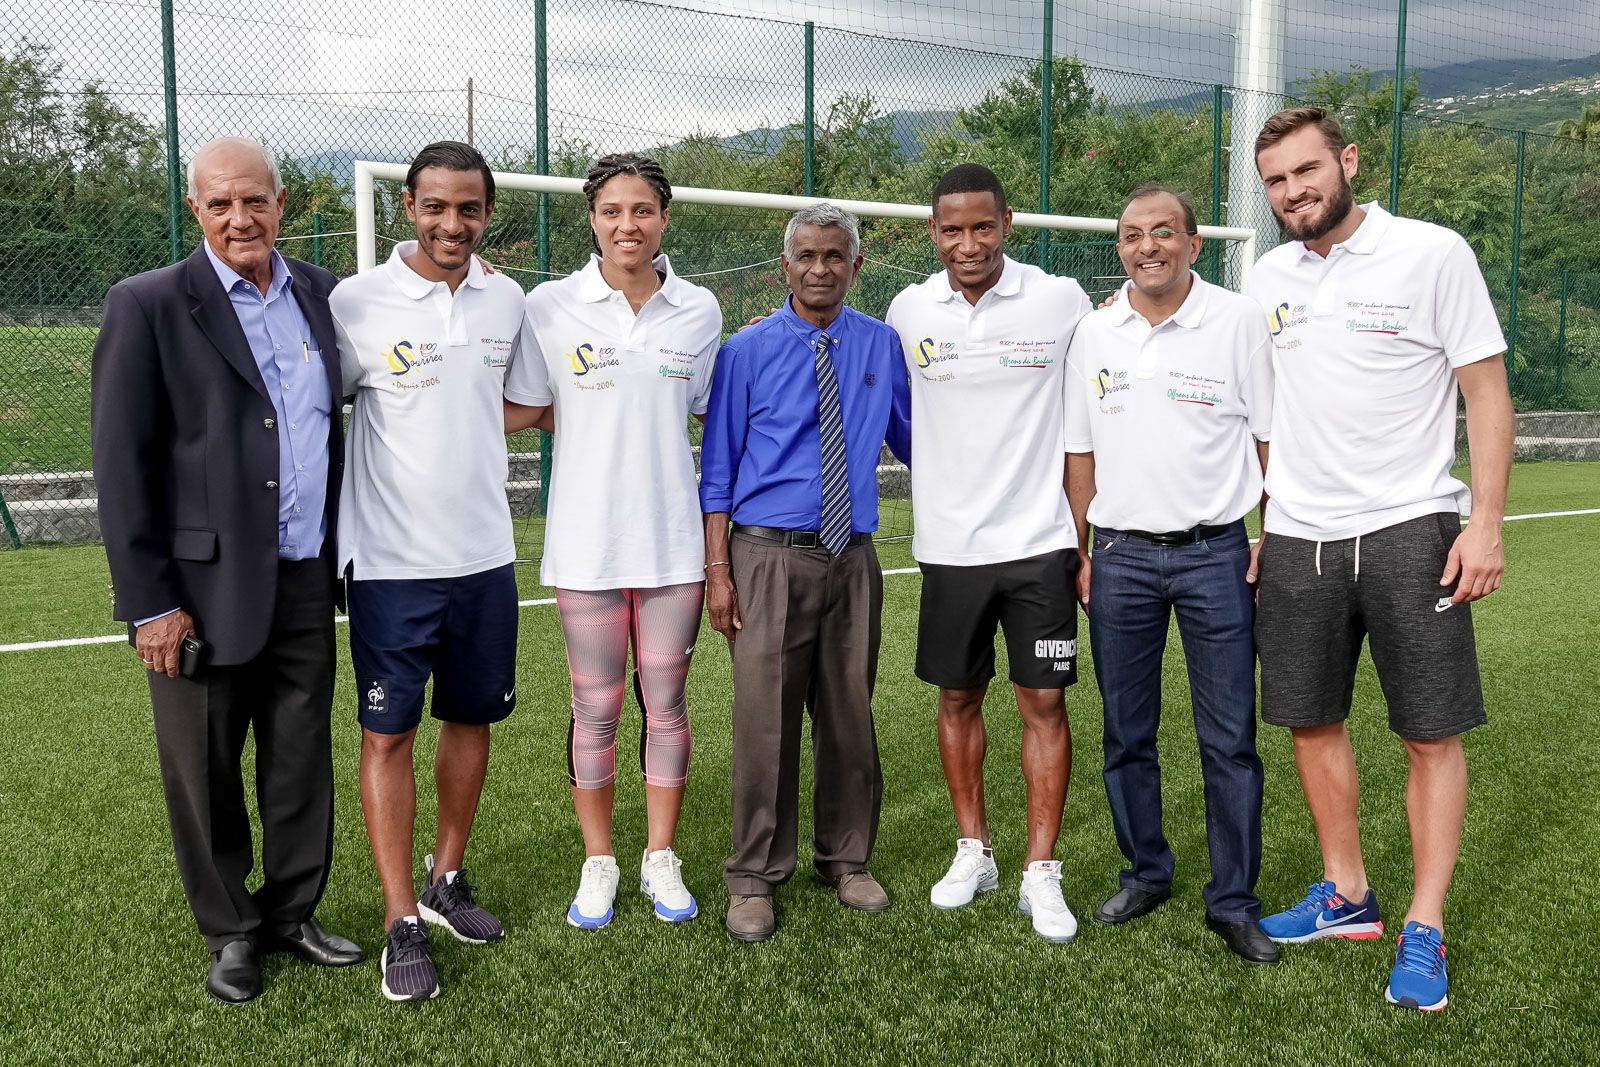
pixel 801 406
pixel 217 456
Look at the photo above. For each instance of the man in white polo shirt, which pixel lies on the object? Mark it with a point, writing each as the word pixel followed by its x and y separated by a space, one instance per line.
pixel 985 343
pixel 425 538
pixel 1169 400
pixel 1376 323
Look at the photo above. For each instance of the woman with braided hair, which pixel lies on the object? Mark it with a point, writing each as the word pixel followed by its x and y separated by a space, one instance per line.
pixel 621 353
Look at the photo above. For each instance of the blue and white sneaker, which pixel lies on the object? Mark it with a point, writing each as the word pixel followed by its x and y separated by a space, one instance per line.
pixel 1419 979
pixel 1324 913
pixel 597 891
pixel 661 879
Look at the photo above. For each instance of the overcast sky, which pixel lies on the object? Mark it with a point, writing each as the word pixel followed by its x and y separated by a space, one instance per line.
pixel 381 75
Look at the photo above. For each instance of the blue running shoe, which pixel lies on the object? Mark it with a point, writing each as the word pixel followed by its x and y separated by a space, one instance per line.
pixel 1419 979
pixel 1324 913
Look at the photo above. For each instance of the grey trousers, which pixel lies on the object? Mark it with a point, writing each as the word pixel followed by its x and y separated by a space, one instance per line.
pixel 812 624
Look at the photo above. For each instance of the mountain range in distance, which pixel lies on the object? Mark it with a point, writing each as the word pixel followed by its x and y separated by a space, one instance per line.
pixel 1531 94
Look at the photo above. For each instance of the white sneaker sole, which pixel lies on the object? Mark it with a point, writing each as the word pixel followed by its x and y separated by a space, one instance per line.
pixel 985 885
pixel 383 984
pixel 429 915
pixel 694 906
pixel 1056 939
pixel 1419 1007
pixel 1350 931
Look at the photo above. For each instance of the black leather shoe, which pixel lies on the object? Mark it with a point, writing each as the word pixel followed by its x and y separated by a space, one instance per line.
pixel 1126 905
pixel 311 943
pixel 235 974
pixel 1247 940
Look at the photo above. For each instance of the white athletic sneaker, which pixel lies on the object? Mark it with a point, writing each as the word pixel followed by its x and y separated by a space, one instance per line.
pixel 597 890
pixel 661 879
pixel 971 873
pixel 1041 898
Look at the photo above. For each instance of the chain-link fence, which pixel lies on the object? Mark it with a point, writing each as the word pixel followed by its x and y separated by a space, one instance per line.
pixel 1495 132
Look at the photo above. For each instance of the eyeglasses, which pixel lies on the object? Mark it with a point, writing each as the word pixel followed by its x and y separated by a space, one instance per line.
pixel 1133 238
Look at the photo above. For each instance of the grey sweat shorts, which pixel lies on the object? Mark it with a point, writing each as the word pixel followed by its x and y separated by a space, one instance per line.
pixel 1317 603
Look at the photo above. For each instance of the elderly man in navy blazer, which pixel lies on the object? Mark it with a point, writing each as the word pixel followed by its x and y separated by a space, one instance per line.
pixel 217 454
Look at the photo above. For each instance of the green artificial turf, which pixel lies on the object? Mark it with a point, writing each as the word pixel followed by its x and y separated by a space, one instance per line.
pixel 99 960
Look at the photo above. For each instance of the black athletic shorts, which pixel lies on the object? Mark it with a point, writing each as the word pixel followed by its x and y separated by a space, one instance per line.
pixel 1034 601
pixel 1319 601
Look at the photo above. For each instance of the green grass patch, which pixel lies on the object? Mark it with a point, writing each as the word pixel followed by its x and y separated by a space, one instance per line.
pixel 101 962
pixel 44 398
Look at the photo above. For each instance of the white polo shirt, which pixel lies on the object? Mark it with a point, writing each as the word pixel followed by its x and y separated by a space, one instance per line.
pixel 624 509
pixel 987 414
pixel 425 462
pixel 1172 412
pixel 1365 344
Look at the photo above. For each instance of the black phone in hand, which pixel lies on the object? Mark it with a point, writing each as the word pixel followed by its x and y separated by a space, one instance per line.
pixel 192 656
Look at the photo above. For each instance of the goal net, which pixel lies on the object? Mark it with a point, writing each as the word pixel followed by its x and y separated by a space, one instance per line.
pixel 728 240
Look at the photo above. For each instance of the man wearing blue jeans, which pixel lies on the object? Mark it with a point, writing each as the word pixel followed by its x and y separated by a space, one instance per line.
pixel 1169 400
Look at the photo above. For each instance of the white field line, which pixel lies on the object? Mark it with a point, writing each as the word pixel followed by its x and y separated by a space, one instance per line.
pixel 111 639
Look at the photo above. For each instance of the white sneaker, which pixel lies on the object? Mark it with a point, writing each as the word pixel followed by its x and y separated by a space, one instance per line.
pixel 597 890
pixel 661 879
pixel 1041 898
pixel 970 874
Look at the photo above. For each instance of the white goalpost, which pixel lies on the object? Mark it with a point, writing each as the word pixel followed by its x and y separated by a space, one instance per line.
pixel 366 173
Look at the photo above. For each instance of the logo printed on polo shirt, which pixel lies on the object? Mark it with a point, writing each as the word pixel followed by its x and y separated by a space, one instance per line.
pixel 586 358
pixel 1107 382
pixel 1377 316
pixel 1285 317
pixel 402 356
pixel 1195 388
pixel 499 354
pixel 929 353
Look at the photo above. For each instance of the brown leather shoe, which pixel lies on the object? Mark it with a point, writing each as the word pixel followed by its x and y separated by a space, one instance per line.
pixel 750 918
pixel 861 891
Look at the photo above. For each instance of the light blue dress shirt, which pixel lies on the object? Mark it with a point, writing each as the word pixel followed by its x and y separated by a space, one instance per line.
pixel 291 366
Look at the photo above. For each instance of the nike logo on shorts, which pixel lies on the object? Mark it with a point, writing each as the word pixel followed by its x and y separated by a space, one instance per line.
pixel 509 695
pixel 1444 604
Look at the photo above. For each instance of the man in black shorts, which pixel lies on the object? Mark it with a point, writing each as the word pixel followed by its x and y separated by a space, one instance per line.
pixel 985 342
pixel 1377 323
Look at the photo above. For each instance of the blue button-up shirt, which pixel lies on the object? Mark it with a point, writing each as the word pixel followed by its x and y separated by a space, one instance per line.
pixel 761 454
pixel 291 366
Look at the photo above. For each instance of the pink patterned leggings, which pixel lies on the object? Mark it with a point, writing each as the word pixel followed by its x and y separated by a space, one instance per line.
pixel 663 625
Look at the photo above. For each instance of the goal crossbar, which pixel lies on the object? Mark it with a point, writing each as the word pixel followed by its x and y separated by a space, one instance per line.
pixel 367 172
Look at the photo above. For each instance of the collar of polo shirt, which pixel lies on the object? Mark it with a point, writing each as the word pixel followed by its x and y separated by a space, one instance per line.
pixel 593 287
pixel 1365 240
pixel 1189 316
pixel 415 285
pixel 1010 283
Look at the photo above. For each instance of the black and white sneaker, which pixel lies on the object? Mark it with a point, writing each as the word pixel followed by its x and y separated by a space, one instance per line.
pixel 408 972
pixel 448 902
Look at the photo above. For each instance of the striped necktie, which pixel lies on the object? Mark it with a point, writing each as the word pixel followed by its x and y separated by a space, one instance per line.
pixel 834 531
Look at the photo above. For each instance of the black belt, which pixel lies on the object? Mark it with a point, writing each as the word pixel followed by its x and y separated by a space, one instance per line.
pixel 1193 535
pixel 793 538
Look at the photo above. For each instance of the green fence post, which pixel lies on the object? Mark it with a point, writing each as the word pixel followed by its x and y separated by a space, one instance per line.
pixel 169 85
pixel 811 109
pixel 316 238
pixel 541 163
pixel 1561 336
pixel 11 527
pixel 1046 69
pixel 1516 255
pixel 1216 181
pixel 1397 122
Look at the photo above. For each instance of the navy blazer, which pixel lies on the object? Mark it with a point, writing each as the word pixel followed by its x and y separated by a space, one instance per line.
pixel 186 453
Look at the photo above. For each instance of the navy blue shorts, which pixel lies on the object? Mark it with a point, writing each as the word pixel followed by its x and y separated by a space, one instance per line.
pixel 462 631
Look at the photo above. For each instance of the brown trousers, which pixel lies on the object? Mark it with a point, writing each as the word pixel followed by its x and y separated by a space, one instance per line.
pixel 812 624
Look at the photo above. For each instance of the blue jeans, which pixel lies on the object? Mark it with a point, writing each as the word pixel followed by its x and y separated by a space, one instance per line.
pixel 1136 586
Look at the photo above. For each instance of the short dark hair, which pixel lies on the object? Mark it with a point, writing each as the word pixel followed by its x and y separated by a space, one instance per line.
pixel 643 167
pixel 1190 225
pixel 1291 119
pixel 970 178
pixel 451 155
